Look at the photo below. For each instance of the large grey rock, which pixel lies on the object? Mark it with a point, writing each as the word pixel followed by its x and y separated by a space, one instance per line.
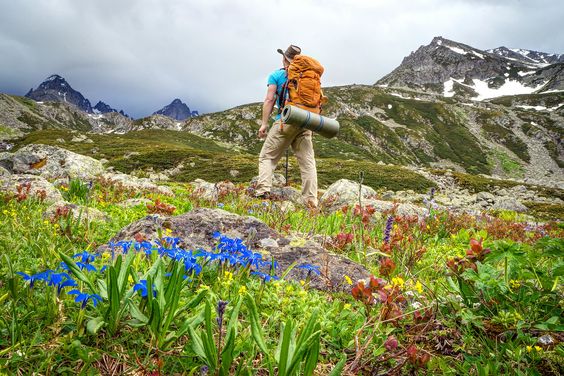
pixel 138 184
pixel 4 172
pixel 278 180
pixel 509 203
pixel 38 187
pixel 345 192
pixel 196 229
pixel 79 212
pixel 52 162
pixel 212 191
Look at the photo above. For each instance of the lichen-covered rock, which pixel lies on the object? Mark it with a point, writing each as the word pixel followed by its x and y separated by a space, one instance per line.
pixel 509 203
pixel 196 229
pixel 52 162
pixel 212 191
pixel 278 180
pixel 4 172
pixel 79 212
pixel 135 183
pixel 345 192
pixel 31 186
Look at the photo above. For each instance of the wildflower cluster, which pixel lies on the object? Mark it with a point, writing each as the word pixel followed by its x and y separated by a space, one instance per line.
pixel 476 253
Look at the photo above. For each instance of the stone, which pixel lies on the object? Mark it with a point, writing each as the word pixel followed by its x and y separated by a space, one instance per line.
pixel 345 192
pixel 509 203
pixel 61 140
pixel 4 172
pixel 39 187
pixel 132 202
pixel 79 212
pixel 212 191
pixel 278 180
pixel 286 206
pixel 485 196
pixel 546 340
pixel 234 173
pixel 286 194
pixel 388 195
pixel 138 184
pixel 196 229
pixel 52 162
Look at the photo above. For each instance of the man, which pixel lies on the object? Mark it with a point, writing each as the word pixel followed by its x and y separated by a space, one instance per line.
pixel 281 136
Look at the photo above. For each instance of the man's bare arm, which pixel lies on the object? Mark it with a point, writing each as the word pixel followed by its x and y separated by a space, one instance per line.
pixel 267 107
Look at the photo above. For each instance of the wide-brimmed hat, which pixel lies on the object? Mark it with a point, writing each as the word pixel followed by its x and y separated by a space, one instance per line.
pixel 290 52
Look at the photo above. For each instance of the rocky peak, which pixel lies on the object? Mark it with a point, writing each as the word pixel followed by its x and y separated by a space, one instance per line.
pixel 176 110
pixel 104 108
pixel 453 68
pixel 540 59
pixel 56 89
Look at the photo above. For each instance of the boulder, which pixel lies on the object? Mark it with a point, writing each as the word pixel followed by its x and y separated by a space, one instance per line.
pixel 38 187
pixel 52 162
pixel 278 180
pixel 79 212
pixel 345 192
pixel 4 172
pixel 137 184
pixel 196 229
pixel 212 191
pixel 509 203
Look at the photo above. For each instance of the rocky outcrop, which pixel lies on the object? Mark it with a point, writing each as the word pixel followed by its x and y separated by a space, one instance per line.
pixel 135 183
pixel 345 192
pixel 196 229
pixel 53 162
pixel 81 213
pixel 27 186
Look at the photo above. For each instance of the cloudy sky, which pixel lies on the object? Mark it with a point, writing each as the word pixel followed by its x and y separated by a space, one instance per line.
pixel 138 55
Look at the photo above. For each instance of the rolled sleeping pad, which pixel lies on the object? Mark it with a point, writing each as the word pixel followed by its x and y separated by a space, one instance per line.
pixel 325 126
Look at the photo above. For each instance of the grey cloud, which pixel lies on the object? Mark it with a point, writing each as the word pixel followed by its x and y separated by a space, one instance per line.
pixel 139 55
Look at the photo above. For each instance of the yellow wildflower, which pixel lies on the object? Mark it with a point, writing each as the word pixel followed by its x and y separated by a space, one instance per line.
pixel 398 281
pixel 45 222
pixel 242 290
pixel 130 279
pixel 228 276
pixel 538 348
pixel 5 212
pixel 347 306
pixel 529 348
pixel 348 279
pixel 302 282
pixel 168 231
pixel 418 287
pixel 515 284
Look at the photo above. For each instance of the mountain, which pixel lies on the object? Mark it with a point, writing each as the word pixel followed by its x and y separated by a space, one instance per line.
pixel 456 69
pixel 517 135
pixel 176 110
pixel 103 108
pixel 539 59
pixel 56 89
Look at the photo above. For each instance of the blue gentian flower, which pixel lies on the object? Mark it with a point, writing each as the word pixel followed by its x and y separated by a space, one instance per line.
pixel 88 267
pixel 265 277
pixel 310 268
pixel 42 276
pixel 85 257
pixel 142 287
pixel 84 298
pixel 61 280
pixel 221 205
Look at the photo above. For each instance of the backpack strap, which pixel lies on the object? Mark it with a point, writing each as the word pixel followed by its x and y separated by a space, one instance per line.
pixel 281 100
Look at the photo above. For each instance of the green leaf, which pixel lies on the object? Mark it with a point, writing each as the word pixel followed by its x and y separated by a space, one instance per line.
pixel 338 369
pixel 198 345
pixel 94 325
pixel 284 345
pixel 75 270
pixel 256 330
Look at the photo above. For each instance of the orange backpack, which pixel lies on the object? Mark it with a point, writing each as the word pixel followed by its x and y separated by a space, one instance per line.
pixel 304 84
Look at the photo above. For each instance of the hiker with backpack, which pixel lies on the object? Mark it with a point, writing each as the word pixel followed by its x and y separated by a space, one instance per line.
pixel 298 84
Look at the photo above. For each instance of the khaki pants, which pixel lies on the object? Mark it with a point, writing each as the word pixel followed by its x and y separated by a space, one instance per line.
pixel 279 138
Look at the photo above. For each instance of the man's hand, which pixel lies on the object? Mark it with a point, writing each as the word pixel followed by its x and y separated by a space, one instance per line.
pixel 263 130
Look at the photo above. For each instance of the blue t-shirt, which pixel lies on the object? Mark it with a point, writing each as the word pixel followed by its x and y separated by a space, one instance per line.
pixel 278 78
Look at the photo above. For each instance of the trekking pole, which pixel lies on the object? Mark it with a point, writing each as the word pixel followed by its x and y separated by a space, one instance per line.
pixel 286 176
